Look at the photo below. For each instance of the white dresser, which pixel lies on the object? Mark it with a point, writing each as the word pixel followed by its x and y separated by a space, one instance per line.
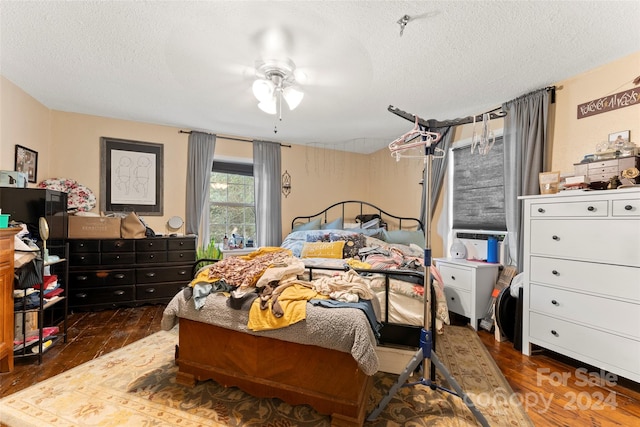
pixel 468 286
pixel 582 277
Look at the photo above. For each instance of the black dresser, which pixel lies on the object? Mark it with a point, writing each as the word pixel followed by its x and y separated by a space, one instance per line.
pixel 107 273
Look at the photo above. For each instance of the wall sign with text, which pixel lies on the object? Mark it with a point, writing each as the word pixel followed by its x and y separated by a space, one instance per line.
pixel 609 103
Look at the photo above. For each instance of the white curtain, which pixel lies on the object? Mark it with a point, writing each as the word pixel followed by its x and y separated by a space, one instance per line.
pixel 268 199
pixel 438 169
pixel 525 156
pixel 199 165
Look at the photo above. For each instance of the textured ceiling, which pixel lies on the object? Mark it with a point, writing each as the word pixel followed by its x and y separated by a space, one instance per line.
pixel 190 64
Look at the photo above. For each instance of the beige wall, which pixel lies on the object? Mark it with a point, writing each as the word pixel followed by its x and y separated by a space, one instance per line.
pixel 573 138
pixel 23 121
pixel 68 146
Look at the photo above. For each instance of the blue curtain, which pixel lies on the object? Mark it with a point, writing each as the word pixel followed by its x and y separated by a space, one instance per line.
pixel 199 165
pixel 266 174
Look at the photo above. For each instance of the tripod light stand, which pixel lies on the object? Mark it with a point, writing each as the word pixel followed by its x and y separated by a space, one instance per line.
pixel 424 355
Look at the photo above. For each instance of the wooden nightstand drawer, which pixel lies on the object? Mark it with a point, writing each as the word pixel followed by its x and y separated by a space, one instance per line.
pixel 101 296
pixel 150 245
pixel 84 258
pixel 181 244
pixel 80 279
pixel 151 257
pixel 181 256
pixel 158 290
pixel 84 246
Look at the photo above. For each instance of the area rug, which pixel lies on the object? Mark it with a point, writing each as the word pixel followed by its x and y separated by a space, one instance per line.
pixel 135 386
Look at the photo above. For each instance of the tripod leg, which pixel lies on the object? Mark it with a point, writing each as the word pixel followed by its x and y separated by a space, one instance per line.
pixel 402 379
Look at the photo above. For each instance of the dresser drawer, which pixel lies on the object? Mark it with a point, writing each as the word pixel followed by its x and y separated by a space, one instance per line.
pixel 613 163
pixel 587 277
pixel 594 208
pixel 80 279
pixel 458 301
pixel 150 245
pixel 181 244
pixel 118 258
pixel 163 274
pixel 158 290
pixel 457 277
pixel 117 245
pixel 585 343
pixel 584 239
pixel 151 257
pixel 181 256
pixel 602 313
pixel 84 246
pixel 116 295
pixel 84 258
pixel 626 208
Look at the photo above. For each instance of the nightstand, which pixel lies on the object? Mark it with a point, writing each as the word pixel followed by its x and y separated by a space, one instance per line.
pixel 468 286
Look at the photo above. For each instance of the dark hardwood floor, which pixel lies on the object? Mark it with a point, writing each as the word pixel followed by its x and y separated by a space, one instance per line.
pixel 555 391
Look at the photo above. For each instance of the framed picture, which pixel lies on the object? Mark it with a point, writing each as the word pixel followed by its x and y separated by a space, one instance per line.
pixel 27 162
pixel 131 174
pixel 619 137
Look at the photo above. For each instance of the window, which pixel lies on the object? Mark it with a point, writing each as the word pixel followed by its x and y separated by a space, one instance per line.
pixel 478 189
pixel 232 208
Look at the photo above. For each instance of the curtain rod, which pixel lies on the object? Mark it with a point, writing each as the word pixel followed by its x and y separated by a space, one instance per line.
pixel 237 139
pixel 431 124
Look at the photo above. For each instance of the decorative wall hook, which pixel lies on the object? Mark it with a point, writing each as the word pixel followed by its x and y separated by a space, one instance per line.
pixel 286 183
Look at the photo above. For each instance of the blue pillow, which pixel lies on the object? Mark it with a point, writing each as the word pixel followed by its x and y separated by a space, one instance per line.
pixel 405 237
pixel 311 225
pixel 336 224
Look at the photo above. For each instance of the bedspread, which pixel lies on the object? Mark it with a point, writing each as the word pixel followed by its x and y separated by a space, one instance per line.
pixel 342 329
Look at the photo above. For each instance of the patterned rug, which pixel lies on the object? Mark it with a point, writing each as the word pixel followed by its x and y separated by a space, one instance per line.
pixel 135 386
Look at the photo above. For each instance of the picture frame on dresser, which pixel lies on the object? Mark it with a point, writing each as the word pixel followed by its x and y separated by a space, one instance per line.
pixel 27 161
pixel 131 176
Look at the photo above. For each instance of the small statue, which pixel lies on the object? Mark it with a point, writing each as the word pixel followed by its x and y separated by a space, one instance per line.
pixel 614 182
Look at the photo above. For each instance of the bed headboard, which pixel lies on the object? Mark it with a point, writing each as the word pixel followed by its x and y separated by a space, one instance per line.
pixel 360 212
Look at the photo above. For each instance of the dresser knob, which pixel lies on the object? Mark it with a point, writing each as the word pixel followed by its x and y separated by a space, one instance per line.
pixel 81 295
pixel 555 273
pixel 591 209
pixel 118 244
pixel 453 298
pixel 540 210
pixel 150 274
pixel 554 237
pixel 453 277
pixel 150 290
pixel 118 292
pixel 182 273
pixel 554 333
pixel 554 302
pixel 82 278
pixel 628 208
pixel 119 276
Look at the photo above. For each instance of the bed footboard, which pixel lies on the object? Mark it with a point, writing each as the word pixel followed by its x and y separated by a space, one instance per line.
pixel 327 380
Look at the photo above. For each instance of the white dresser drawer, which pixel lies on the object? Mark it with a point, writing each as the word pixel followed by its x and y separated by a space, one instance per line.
pixel 595 208
pixel 458 301
pixel 602 313
pixel 455 276
pixel 584 343
pixel 626 208
pixel 588 277
pixel 589 240
pixel 613 163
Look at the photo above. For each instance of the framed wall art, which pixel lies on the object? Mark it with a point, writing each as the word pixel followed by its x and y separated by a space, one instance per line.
pixel 131 176
pixel 27 162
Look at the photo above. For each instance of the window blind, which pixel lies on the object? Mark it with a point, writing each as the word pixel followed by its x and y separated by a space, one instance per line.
pixel 478 189
pixel 245 169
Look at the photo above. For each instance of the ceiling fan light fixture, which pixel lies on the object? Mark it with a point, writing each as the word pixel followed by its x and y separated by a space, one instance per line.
pixel 269 106
pixel 263 90
pixel 275 81
pixel 293 96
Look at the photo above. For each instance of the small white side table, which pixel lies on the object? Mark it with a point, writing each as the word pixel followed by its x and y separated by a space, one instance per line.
pixel 468 286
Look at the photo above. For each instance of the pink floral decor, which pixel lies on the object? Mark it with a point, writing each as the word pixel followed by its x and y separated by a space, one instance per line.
pixel 79 197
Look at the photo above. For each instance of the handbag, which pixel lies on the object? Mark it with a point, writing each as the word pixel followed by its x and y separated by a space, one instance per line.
pixel 29 275
pixel 131 227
